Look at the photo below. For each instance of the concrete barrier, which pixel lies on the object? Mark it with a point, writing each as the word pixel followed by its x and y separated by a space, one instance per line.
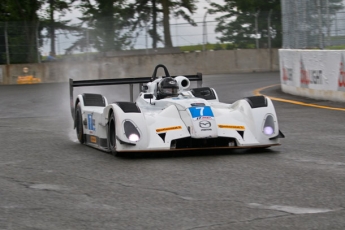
pixel 318 74
pixel 209 62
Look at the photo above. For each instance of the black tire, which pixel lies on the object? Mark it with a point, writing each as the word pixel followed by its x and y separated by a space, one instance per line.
pixel 112 135
pixel 79 124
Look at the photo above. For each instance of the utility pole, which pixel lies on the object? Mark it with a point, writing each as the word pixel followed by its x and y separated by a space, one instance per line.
pixel 37 43
pixel 52 28
pixel 328 24
pixel 154 21
pixel 204 34
pixel 146 39
pixel 269 29
pixel 87 43
pixel 6 44
pixel 256 29
pixel 320 24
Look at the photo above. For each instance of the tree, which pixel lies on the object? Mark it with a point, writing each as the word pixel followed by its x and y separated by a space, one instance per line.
pixel 21 22
pixel 145 11
pixel 107 23
pixel 178 10
pixel 49 22
pixel 238 24
pixel 164 9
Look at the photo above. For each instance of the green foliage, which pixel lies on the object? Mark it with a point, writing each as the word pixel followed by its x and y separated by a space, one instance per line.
pixel 20 21
pixel 237 25
pixel 217 46
pixel 52 24
pixel 341 47
pixel 105 21
pixel 156 11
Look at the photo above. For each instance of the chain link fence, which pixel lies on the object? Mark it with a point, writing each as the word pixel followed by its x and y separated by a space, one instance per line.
pixel 22 42
pixel 19 41
pixel 313 24
pixel 305 24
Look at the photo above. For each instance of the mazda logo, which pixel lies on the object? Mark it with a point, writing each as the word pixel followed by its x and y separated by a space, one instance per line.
pixel 205 124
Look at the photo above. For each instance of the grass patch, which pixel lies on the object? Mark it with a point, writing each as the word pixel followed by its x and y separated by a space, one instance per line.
pixel 217 46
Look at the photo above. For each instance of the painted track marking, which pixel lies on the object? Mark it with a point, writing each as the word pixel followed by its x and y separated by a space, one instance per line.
pixel 257 92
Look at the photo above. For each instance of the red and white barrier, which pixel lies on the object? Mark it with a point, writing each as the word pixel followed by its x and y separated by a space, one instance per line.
pixel 318 74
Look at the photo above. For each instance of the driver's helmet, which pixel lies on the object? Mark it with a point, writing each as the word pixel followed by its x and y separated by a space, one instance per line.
pixel 167 87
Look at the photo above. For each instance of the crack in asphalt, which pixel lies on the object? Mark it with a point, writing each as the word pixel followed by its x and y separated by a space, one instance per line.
pixel 37 186
pixel 159 190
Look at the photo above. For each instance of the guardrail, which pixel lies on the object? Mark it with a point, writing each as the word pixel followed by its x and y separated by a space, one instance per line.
pixel 318 74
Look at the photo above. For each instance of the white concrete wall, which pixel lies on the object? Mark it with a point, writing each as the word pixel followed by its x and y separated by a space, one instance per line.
pixel 318 74
pixel 209 62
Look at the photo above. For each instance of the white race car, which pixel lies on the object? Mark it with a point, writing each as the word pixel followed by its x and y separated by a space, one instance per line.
pixel 169 115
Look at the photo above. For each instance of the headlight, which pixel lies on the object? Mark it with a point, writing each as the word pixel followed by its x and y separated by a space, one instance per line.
pixel 131 131
pixel 133 137
pixel 268 128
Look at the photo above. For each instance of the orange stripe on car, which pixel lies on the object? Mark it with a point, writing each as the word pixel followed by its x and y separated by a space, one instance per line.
pixel 168 129
pixel 237 127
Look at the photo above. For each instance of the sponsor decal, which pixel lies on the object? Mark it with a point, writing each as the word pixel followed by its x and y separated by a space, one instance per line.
pixel 341 80
pixel 203 118
pixel 201 111
pixel 304 75
pixel 93 139
pixel 168 129
pixel 315 77
pixel 310 77
pixel 204 124
pixel 287 74
pixel 90 123
pixel 237 127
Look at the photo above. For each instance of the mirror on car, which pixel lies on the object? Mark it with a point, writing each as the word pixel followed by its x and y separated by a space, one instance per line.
pixel 148 96
pixel 144 87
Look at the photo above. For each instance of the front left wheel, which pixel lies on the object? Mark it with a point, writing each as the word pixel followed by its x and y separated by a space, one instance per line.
pixel 112 135
pixel 79 124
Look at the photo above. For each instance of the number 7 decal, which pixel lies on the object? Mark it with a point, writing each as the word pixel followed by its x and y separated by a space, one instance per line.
pixel 201 111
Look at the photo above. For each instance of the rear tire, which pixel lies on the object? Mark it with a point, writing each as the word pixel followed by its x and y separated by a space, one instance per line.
pixel 79 124
pixel 112 135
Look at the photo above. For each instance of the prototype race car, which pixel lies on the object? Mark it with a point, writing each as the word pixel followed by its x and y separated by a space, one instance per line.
pixel 169 115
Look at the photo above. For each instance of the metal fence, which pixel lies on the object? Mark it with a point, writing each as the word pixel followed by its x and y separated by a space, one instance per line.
pixel 19 41
pixel 305 24
pixel 15 44
pixel 313 24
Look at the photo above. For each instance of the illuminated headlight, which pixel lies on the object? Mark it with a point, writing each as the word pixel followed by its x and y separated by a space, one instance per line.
pixel 133 137
pixel 268 128
pixel 131 131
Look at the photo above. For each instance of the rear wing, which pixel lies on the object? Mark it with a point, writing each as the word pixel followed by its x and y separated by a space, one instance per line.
pixel 121 81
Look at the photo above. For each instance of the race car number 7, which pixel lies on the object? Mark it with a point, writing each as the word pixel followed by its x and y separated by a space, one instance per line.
pixel 201 111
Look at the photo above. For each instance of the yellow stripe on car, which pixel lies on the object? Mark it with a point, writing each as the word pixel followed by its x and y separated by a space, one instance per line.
pixel 168 129
pixel 237 127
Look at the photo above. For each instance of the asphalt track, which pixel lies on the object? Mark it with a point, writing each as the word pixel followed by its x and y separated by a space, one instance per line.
pixel 49 181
